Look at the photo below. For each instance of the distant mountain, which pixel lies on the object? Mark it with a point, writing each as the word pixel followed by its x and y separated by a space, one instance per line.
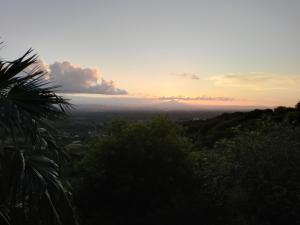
pixel 100 108
pixel 171 105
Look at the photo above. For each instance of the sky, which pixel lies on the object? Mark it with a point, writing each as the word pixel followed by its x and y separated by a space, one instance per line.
pixel 210 52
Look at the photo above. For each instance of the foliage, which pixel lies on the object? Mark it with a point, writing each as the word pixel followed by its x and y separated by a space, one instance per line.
pixel 151 173
pixel 31 191
pixel 238 168
pixel 206 133
pixel 136 174
pixel 266 174
pixel 297 106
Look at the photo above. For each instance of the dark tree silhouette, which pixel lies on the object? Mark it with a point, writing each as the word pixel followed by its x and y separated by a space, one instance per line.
pixel 31 191
pixel 297 106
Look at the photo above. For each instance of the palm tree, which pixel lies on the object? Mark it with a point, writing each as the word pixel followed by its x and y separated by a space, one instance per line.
pixel 31 191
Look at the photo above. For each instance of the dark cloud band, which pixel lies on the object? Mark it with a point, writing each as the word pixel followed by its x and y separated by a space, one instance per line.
pixel 192 76
pixel 203 98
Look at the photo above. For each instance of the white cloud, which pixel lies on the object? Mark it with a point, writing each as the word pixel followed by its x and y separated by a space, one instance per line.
pixel 75 79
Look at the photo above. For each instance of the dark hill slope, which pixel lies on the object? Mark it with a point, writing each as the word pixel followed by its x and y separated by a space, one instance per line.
pixel 205 133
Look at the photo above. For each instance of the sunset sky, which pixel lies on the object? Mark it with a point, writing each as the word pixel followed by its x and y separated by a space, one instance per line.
pixel 220 52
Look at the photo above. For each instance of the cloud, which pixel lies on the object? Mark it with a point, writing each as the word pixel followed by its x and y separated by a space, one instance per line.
pixel 258 81
pixel 200 98
pixel 75 79
pixel 192 76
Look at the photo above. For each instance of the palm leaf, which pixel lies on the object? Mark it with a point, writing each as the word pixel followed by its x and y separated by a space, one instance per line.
pixel 29 162
pixel 4 216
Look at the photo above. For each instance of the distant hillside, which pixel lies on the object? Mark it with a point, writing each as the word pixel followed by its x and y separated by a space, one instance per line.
pixel 205 133
pixel 171 105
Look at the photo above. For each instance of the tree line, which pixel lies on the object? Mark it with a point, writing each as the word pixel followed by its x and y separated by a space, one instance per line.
pixel 237 168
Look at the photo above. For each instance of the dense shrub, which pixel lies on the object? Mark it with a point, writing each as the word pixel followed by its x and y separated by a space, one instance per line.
pixel 151 173
pixel 137 174
pixel 265 174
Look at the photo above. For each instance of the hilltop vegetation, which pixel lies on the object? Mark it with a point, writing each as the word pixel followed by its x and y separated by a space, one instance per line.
pixel 237 168
pixel 205 133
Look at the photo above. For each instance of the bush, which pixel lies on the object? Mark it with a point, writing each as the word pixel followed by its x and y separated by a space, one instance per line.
pixel 136 174
pixel 266 171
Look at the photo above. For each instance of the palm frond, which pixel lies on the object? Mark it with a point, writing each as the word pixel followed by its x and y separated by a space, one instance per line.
pixel 4 217
pixel 30 190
